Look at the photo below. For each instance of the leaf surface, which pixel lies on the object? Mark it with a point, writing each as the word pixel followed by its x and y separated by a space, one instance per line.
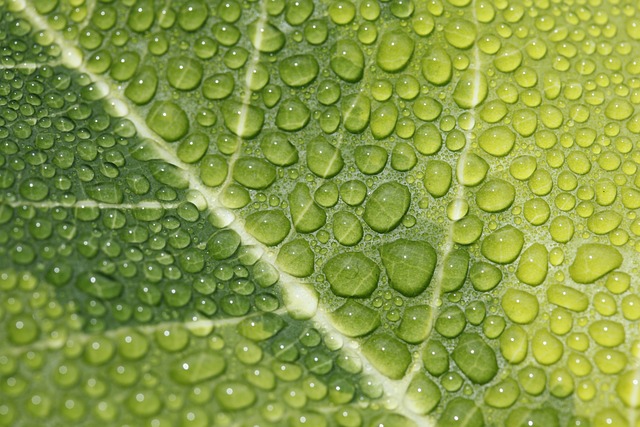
pixel 296 213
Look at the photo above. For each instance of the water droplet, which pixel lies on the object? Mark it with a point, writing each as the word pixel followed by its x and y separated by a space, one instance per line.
pixel 324 159
pixel 306 215
pixel 22 329
pixel 607 333
pixel 454 270
pixel 342 12
pixel 354 319
pixel 132 345
pixel 316 31
pixel 495 195
pixel 353 192
pixel 437 67
pixel 168 120
pixel 141 16
pixel 426 108
pixel 502 395
pixel 269 227
pixel 533 266
pixel 409 264
pixel 124 66
pixel 513 344
pixel 388 355
pixel 504 245
pixel 471 170
pixel 213 170
pixel 619 109
pixel 184 73
pixel 297 12
pixel 265 37
pixel 467 230
pixel 387 206
pixel 497 141
pixel 99 286
pixel 142 87
pixel 34 189
pixel 627 388
pixel 253 172
pixel 197 367
pixel 593 261
pixel 462 412
pixel 451 322
pixel 520 306
pixel 144 403
pixel 347 228
pixel 422 396
pixel 218 86
pixel 296 258
pixel 241 119
pixel 262 327
pixel 383 120
pixel 508 58
pixel 370 159
pixel 352 274
pixel 298 70
pixel 193 148
pixel 292 115
pixel 416 324
pixel 356 111
pixel 192 15
pixel 604 222
pixel 546 348
pixel 394 51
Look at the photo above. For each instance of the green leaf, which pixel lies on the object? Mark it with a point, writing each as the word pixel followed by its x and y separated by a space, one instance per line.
pixel 298 212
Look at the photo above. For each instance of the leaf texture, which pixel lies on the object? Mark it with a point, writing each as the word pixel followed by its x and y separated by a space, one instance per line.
pixel 267 213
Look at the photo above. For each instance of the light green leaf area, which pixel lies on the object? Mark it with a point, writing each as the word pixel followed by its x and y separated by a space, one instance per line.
pixel 396 213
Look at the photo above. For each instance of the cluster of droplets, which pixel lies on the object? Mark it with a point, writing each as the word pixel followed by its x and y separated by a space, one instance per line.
pixel 261 367
pixel 122 216
pixel 80 187
pixel 352 162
